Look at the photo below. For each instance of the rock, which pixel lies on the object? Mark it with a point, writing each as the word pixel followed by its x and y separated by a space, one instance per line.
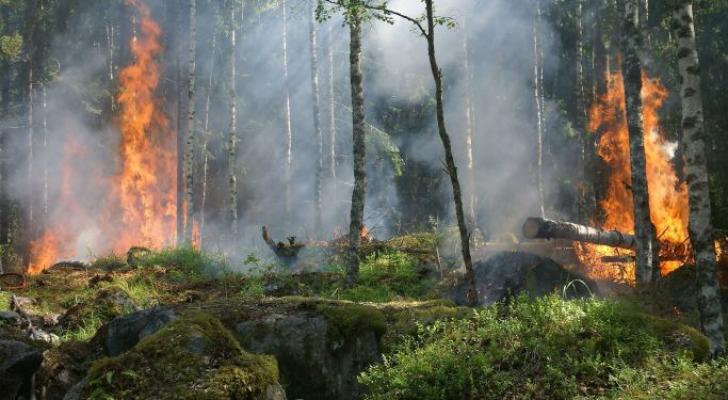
pixel 9 317
pixel 18 364
pixel 192 357
pixel 321 348
pixel 125 332
pixel 507 274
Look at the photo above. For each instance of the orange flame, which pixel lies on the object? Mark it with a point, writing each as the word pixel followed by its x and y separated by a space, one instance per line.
pixel 668 196
pixel 140 208
pixel 146 186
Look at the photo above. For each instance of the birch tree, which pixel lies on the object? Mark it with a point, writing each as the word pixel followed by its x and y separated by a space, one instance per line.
pixel 332 103
pixel 232 126
pixel 318 185
pixel 647 251
pixel 539 101
pixel 206 136
pixel 693 134
pixel 189 143
pixel 469 126
pixel 287 112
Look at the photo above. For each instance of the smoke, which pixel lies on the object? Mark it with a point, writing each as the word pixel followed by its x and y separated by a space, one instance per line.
pixel 82 131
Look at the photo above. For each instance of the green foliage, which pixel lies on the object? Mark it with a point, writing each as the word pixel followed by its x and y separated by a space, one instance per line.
pixel 186 260
pixel 347 320
pixel 548 348
pixel 388 276
pixel 109 263
pixel 194 357
pixel 11 46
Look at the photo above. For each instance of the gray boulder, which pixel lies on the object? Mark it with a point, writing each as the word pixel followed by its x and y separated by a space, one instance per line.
pixel 126 331
pixel 18 364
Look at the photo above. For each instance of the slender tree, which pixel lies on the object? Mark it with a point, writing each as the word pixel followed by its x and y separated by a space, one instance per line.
pixel 28 42
pixel 469 125
pixel 332 103
pixel 587 202
pixel 539 101
pixel 287 112
pixel 189 144
pixel 232 126
pixel 206 137
pixel 313 50
pixel 358 196
pixel 449 159
pixel 648 261
pixel 693 137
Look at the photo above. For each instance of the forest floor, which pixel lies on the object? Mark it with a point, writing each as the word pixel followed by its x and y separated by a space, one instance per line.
pixel 395 335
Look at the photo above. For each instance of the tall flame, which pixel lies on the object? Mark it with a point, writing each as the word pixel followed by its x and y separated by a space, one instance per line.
pixel 668 195
pixel 140 208
pixel 146 185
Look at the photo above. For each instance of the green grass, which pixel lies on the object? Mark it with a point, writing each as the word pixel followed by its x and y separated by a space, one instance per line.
pixel 547 348
pixel 186 261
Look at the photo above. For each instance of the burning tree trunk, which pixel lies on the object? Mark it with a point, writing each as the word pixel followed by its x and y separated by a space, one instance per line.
pixel 647 250
pixel 189 144
pixel 358 196
pixel 313 48
pixel 540 228
pixel 287 113
pixel 232 127
pixel 711 321
pixel 538 97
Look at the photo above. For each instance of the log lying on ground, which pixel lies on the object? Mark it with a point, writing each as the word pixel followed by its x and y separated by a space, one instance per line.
pixel 540 228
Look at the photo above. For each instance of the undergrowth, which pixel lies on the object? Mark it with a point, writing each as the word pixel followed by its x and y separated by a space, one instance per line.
pixel 547 348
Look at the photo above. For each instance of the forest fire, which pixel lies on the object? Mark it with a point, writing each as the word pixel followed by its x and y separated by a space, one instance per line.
pixel 145 189
pixel 668 196
pixel 140 207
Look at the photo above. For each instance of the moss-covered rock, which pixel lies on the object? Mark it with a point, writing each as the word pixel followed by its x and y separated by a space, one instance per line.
pixel 194 357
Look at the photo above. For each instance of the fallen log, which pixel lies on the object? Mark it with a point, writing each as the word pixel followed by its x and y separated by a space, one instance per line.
pixel 540 228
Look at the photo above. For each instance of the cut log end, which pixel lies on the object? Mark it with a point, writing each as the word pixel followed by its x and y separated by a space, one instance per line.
pixel 531 227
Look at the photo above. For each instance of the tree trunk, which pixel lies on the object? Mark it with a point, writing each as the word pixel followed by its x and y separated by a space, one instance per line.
pixel 332 104
pixel 179 96
pixel 44 126
pixel 644 19
pixel 469 126
pixel 313 49
pixel 110 44
pixel 190 142
pixel 28 43
pixel 540 228
pixel 587 206
pixel 648 263
pixel 287 113
pixel 538 96
pixel 206 138
pixel 693 134
pixel 232 127
pixel 358 196
pixel 449 159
